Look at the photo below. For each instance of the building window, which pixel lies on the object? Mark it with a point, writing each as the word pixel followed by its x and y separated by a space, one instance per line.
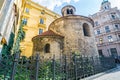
pixel 42 13
pixel 96 23
pixel 110 38
pixel 113 15
pixel 100 53
pixel 107 29
pixel 41 21
pixel 40 31
pixel 116 26
pixel 27 10
pixel 100 40
pixel 86 29
pixel 47 48
pixel 69 11
pixel 119 36
pixel 113 52
pixel 24 21
pixel 106 7
pixel 98 31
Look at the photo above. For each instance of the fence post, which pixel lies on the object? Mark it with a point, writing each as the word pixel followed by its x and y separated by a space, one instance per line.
pixel 14 66
pixel 75 67
pixel 37 66
pixel 53 62
pixel 92 60
pixel 66 73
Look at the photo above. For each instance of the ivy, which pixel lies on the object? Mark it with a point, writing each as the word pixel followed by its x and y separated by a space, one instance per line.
pixel 20 37
pixel 6 50
pixel 6 64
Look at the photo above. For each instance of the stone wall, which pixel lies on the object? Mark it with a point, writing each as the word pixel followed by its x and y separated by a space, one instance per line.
pixel 71 27
pixel 56 46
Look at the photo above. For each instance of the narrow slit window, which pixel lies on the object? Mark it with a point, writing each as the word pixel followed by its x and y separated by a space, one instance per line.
pixel 47 48
pixel 86 30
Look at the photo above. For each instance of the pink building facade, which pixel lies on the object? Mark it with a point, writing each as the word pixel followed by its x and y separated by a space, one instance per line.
pixel 107 30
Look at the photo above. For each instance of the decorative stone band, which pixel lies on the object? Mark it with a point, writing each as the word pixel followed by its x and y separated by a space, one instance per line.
pixel 79 17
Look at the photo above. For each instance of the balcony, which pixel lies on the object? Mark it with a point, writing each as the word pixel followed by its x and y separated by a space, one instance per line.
pixel 42 25
pixel 109 43
pixel 115 20
pixel 106 33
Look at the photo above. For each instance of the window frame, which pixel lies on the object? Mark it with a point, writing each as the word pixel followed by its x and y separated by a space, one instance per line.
pixel 41 21
pixel 117 26
pixel 27 10
pixel 113 16
pixel 98 31
pixel 96 23
pixel 47 48
pixel 40 31
pixel 25 21
pixel 110 38
pixel 107 29
pixel 100 51
pixel 86 30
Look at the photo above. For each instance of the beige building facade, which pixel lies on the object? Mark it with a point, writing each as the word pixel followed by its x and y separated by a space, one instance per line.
pixel 36 20
pixel 66 35
pixel 107 30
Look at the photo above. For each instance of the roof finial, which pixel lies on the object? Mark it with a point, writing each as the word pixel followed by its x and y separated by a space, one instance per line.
pixel 105 0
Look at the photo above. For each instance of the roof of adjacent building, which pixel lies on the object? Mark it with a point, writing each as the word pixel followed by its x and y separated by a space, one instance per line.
pixel 104 1
pixel 38 6
pixel 48 33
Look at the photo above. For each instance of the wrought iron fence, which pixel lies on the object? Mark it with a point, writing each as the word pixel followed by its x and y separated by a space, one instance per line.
pixel 72 67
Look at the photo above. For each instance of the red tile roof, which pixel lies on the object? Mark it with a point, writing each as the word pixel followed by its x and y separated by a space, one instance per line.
pixel 49 33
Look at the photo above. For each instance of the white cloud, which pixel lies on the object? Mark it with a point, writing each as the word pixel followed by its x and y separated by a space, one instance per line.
pixel 76 0
pixel 115 3
pixel 52 3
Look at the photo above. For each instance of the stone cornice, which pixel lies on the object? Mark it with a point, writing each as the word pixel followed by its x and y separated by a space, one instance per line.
pixel 72 17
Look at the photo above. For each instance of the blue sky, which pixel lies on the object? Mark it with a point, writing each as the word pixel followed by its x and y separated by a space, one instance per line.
pixel 83 7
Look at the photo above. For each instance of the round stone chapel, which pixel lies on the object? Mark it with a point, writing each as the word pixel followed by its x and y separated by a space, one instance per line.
pixel 66 35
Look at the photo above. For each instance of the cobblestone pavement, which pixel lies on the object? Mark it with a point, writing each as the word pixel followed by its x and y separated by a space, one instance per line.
pixel 113 74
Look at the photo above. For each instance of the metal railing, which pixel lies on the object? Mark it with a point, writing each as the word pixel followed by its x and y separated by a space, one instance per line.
pixel 74 67
pixel 108 43
pixel 106 33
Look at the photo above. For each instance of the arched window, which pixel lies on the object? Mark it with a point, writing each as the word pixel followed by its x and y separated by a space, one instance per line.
pixel 71 11
pixel 47 48
pixel 113 16
pixel 68 12
pixel 86 29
